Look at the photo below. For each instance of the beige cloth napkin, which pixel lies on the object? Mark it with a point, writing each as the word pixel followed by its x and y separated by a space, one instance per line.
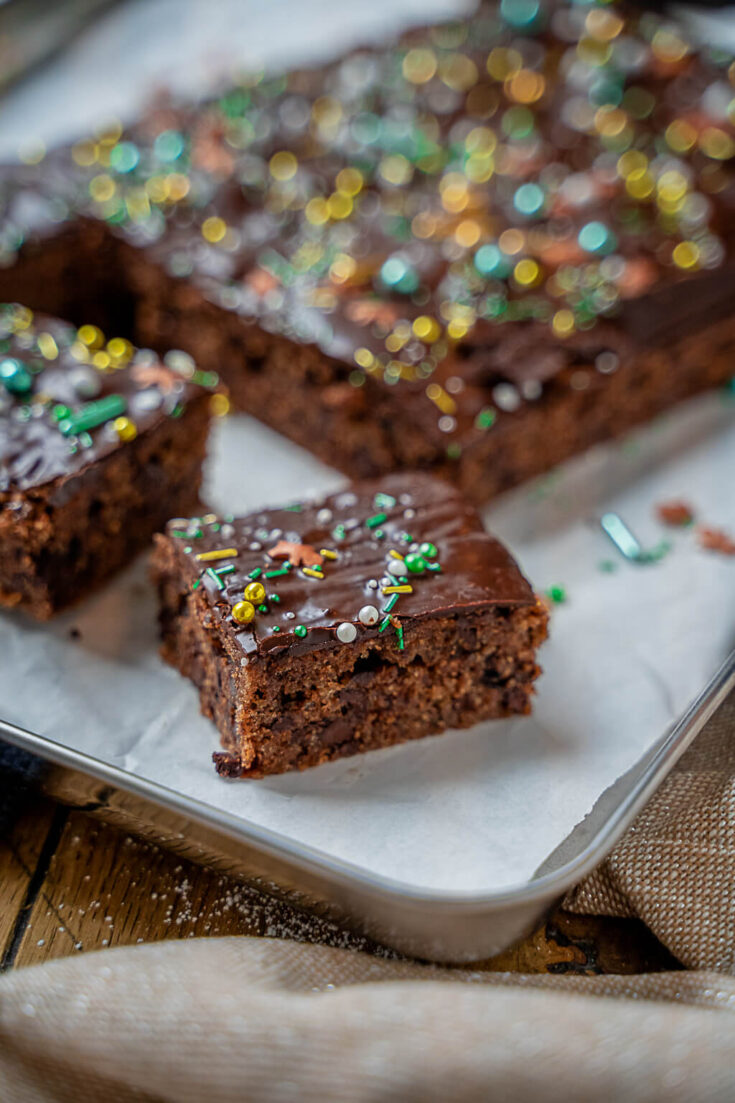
pixel 270 1020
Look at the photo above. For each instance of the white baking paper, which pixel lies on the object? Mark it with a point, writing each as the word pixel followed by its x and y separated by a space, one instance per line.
pixel 471 811
pixel 467 811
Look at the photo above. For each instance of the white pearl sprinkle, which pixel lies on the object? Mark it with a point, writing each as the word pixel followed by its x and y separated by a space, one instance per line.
pixel 368 615
pixel 346 632
pixel 324 516
pixel 396 567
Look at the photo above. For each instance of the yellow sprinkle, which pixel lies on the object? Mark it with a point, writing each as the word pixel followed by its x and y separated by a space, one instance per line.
pixel 328 554
pixel 501 63
pixel 396 590
pixel 317 211
pixel 214 229
pixel 639 184
pixel 125 428
pixel 80 352
pixel 283 165
pixel 395 554
pixel 177 186
pixel 119 348
pixel 84 153
pixel 419 66
pixel 220 405
pixel 22 318
pixel 680 135
pixel 440 398
pixel 527 272
pixel 102 188
pixel 339 205
pixel 458 72
pixel 686 254
pixel 349 181
pixel 525 86
pixel 47 346
pixel 364 357
pixel 101 360
pixel 218 553
pixel 563 323
pixel 426 328
pixel 342 268
pixel 396 169
pixel 90 336
pixel 630 162
pixel 716 143
pixel 311 572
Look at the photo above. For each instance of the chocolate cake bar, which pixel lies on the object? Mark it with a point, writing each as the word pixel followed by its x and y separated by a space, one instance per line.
pixel 100 444
pixel 476 250
pixel 380 614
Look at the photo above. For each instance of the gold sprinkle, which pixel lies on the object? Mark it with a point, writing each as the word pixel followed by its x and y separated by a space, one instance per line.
pixel 125 428
pixel 214 229
pixel 91 336
pixel 283 165
pixel 395 554
pixel 102 188
pixel 686 255
pixel 311 572
pixel 219 404
pixel 426 328
pixel 396 589
pixel 563 323
pixel 527 272
pixel 419 66
pixel 47 346
pixel 317 211
pixel 328 553
pixel 349 181
pixel 440 398
pixel 218 553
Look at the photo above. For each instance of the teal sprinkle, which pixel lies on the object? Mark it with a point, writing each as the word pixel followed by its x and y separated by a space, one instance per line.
pixel 489 261
pixel 607 566
pixel 85 440
pixel 520 13
pixel 227 569
pixel 339 533
pixel 215 578
pixel 596 238
pixel 436 567
pixel 399 275
pixel 275 598
pixel 93 414
pixel 384 501
pixel 390 603
pixel 169 145
pixel 529 200
pixel 124 157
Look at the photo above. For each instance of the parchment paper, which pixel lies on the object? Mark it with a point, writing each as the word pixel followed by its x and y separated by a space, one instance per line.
pixel 470 811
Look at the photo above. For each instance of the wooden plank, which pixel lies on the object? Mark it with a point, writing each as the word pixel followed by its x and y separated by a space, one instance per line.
pixel 104 888
pixel 21 846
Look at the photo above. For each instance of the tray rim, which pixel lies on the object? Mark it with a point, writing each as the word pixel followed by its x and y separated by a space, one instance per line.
pixel 338 871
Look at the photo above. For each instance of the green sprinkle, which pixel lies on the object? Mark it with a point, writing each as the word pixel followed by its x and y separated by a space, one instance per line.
pixel 406 538
pixel 384 501
pixel 557 594
pixel 399 634
pixel 277 574
pixel 196 584
pixel 215 528
pixel 215 578
pixel 607 566
pixel 205 378
pixel 177 410
pixel 339 533
pixel 276 598
pixel 85 440
pixel 256 573
pixel 454 451
pixel 188 549
pixel 390 603
pixel 434 567
pixel 93 414
pixel 486 418
pixel 379 534
pixel 276 628
pixel 60 411
pixel 227 569
pixel 384 623
pixel 375 520
pixel 429 550
pixel 299 631
pixel 294 509
pixel 179 534
pixel 262 608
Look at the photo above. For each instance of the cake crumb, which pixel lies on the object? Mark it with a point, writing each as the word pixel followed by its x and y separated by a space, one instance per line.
pixel 716 540
pixel 676 513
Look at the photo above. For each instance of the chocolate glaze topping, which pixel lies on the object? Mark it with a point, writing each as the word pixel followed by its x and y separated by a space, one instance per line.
pixel 379 208
pixel 362 526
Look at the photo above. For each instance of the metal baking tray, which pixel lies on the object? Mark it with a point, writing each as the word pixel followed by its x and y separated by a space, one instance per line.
pixel 452 847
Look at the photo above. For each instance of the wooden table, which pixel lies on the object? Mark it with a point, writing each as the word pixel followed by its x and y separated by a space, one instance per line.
pixel 71 884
